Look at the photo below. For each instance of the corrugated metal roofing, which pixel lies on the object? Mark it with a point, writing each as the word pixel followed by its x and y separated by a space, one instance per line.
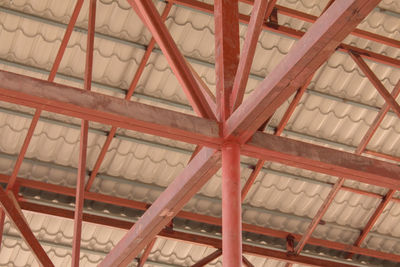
pixel 337 110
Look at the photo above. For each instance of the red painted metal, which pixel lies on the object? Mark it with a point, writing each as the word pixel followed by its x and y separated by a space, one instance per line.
pixel 24 148
pixel 231 206
pixel 207 8
pixel 2 219
pixel 136 116
pixel 326 8
pixel 168 204
pixel 128 96
pixel 185 237
pixel 208 258
pixel 377 121
pixel 80 188
pixel 371 222
pixel 310 18
pixel 227 51
pixel 81 175
pixel 376 82
pixel 317 218
pixel 195 217
pixel 356 32
pixel 148 13
pixel 64 42
pixel 252 178
pixel 246 262
pixel 335 189
pixel 322 159
pixel 292 107
pixel 10 207
pixel 382 155
pixel 146 253
pixel 308 54
pixel 105 109
pixel 31 130
pixel 258 15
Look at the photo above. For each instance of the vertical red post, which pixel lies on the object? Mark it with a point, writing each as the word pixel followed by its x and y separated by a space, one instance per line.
pixel 231 206
pixel 80 184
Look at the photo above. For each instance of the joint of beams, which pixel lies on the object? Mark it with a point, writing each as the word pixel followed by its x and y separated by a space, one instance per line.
pixel 170 226
pixel 273 18
pixel 290 244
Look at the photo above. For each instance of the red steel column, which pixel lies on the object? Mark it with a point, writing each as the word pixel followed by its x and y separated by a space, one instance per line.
pixel 231 206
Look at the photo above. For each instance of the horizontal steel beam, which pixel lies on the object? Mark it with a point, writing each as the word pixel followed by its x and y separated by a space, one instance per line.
pixel 23 90
pixel 289 32
pixel 68 191
pixel 322 159
pixel 126 114
pixel 189 237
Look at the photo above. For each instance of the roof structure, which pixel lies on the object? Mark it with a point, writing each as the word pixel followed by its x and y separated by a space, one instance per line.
pixel 295 99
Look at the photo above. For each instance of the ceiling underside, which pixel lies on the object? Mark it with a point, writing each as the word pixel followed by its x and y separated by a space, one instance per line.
pixel 336 110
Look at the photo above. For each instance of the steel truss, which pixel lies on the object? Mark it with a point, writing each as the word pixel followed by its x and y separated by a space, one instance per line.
pixel 224 129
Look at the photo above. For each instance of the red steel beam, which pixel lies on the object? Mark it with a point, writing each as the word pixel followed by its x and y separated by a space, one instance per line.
pixel 38 111
pixel 10 207
pixel 308 54
pixel 377 121
pixel 227 52
pixel 185 237
pixel 310 18
pixel 168 204
pixel 253 176
pixel 64 42
pixel 105 109
pixel 356 32
pixel 317 218
pixel 208 258
pixel 178 126
pixel 146 253
pixel 81 175
pixel 339 185
pixel 371 222
pixel 322 159
pixel 246 262
pixel 289 112
pixel 231 206
pixel 198 217
pixel 376 82
pixel 207 8
pixel 128 96
pixel 148 13
pixel 258 14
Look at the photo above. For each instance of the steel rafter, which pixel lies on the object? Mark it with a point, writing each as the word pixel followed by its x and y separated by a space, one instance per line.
pixel 260 11
pixel 281 126
pixel 11 208
pixel 339 184
pixel 185 237
pixel 305 58
pixel 146 253
pixel 62 190
pixel 196 96
pixel 35 119
pixel 208 258
pixel 287 31
pixel 376 82
pixel 131 115
pixel 203 166
pixel 83 142
pixel 128 96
